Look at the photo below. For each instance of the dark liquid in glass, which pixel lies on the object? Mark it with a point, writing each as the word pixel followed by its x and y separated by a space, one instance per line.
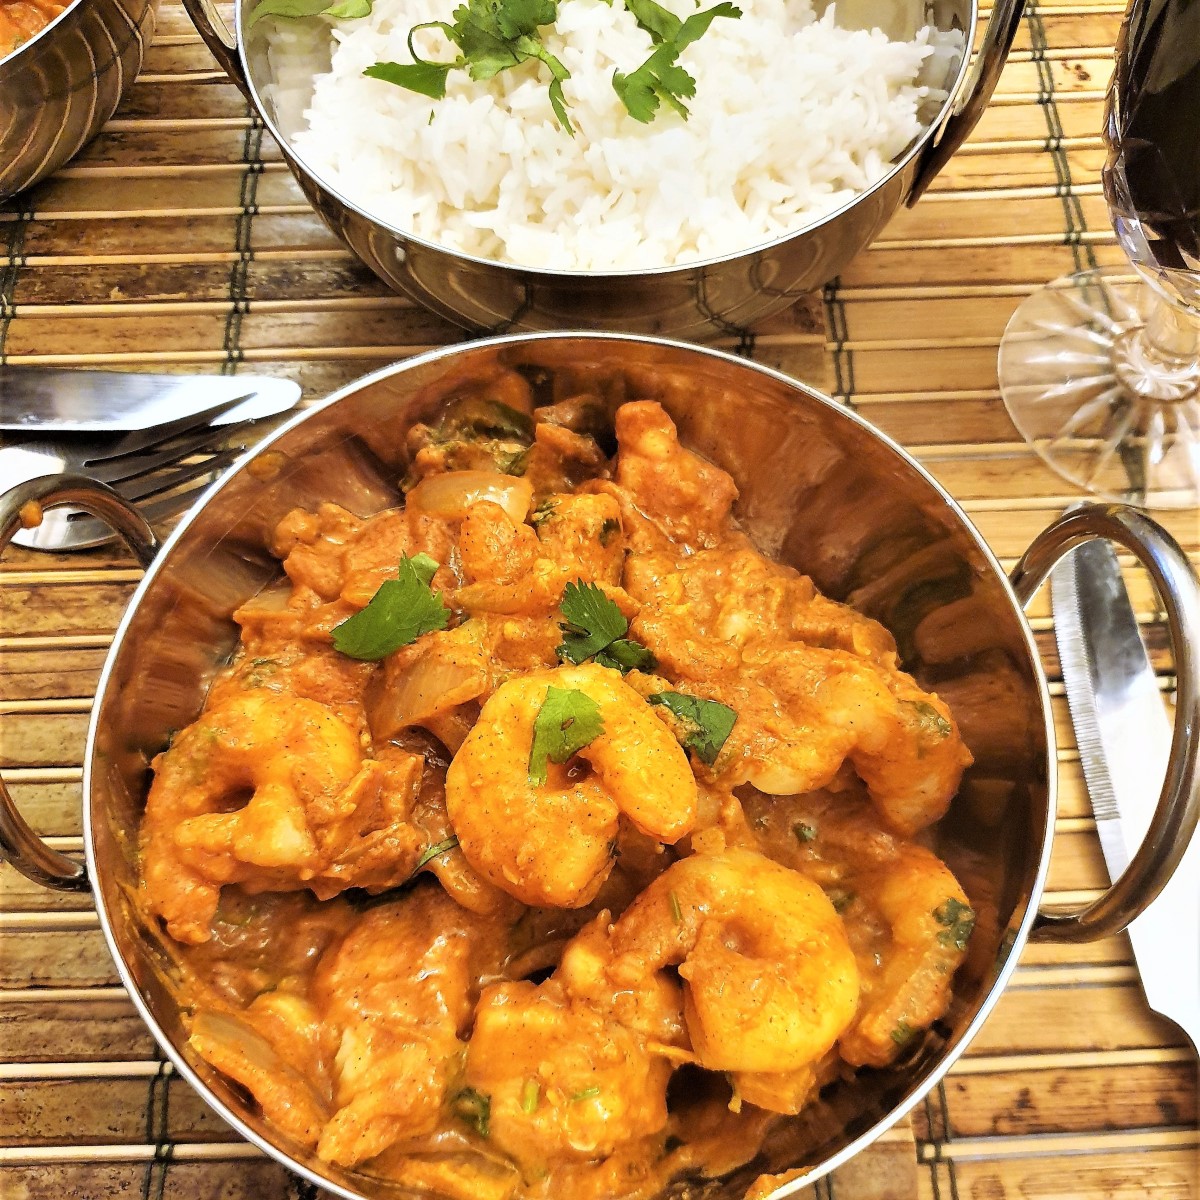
pixel 1152 177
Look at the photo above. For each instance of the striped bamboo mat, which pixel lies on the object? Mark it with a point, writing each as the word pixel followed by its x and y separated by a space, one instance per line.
pixel 179 241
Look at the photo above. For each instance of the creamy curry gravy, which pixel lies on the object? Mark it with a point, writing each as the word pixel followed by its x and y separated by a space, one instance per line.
pixel 592 885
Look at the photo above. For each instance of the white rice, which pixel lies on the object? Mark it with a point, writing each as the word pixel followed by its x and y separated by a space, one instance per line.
pixel 792 117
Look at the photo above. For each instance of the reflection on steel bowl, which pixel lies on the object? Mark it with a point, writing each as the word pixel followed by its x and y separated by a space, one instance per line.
pixel 720 292
pixel 818 490
pixel 70 66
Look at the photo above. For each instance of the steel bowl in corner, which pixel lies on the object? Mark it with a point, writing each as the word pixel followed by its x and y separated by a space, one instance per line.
pixel 58 88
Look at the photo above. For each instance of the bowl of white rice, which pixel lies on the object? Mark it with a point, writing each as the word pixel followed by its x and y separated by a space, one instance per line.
pixel 666 167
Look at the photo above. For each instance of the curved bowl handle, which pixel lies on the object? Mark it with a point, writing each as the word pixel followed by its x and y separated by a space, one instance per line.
pixel 211 27
pixel 976 92
pixel 1178 808
pixel 19 507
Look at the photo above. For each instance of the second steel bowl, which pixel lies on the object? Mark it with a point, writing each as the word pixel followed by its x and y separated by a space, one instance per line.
pixel 718 296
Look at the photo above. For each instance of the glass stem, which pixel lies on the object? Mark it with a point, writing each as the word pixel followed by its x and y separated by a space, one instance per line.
pixel 1161 359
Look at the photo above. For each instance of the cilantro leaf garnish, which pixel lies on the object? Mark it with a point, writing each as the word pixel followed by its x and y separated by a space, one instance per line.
pixel 658 22
pixel 660 78
pixel 596 628
pixel 626 655
pixel 567 721
pixel 930 721
pixel 959 919
pixel 594 621
pixel 706 723
pixel 433 851
pixel 475 1108
pixel 425 77
pixel 293 9
pixel 400 612
pixel 491 36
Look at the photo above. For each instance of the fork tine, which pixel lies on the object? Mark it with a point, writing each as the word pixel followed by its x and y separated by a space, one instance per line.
pixel 129 466
pixel 168 506
pixel 141 440
pixel 82 532
pixel 145 486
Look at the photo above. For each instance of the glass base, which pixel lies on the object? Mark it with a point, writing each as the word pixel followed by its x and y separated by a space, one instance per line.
pixel 1078 385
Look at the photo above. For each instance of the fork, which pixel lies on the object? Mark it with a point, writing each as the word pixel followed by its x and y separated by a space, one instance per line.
pixel 161 469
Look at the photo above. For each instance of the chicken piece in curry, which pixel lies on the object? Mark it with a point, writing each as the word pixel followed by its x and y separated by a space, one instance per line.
pixel 544 837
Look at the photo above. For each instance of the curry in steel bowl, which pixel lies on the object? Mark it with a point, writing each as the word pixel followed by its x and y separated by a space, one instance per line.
pixel 21 19
pixel 64 66
pixel 544 836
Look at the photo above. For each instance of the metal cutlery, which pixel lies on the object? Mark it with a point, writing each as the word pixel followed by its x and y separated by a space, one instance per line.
pixel 161 469
pixel 34 399
pixel 1124 740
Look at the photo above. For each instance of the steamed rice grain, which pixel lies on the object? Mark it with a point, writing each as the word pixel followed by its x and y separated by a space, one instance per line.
pixel 792 117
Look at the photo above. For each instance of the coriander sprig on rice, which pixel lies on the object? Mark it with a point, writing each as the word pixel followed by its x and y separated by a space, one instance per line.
pixel 660 77
pixel 492 36
pixel 495 35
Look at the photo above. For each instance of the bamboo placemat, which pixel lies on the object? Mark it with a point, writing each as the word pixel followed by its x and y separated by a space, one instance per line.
pixel 179 241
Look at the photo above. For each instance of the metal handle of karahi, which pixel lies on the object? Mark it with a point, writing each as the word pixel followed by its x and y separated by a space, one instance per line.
pixel 211 27
pixel 1178 808
pixel 976 92
pixel 19 844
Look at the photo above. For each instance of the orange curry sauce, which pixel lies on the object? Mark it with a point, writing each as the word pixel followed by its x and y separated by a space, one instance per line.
pixel 431 956
pixel 21 19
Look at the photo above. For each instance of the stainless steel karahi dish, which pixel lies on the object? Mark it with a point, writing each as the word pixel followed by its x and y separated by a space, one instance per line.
pixel 59 87
pixel 718 296
pixel 820 490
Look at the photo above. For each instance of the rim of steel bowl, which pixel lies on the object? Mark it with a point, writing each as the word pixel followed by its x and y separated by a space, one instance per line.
pixel 929 132
pixel 999 980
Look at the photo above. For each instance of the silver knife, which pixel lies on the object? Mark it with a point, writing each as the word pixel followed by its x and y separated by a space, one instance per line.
pixel 1124 739
pixel 33 399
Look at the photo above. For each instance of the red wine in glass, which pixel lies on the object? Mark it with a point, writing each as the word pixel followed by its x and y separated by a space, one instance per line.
pixel 1152 129
pixel 1100 371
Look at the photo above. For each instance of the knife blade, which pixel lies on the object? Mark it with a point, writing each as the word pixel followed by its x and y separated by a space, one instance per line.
pixel 35 399
pixel 1124 739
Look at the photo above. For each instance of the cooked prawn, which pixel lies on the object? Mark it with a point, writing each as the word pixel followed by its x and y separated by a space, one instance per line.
pixel 563 1078
pixel 770 981
pixel 272 792
pixel 914 776
pixel 512 830
pixel 803 711
pixel 732 598
pixel 906 972
pixel 814 683
pixel 576 1066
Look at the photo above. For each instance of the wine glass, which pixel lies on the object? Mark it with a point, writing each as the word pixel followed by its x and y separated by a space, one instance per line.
pixel 1100 371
